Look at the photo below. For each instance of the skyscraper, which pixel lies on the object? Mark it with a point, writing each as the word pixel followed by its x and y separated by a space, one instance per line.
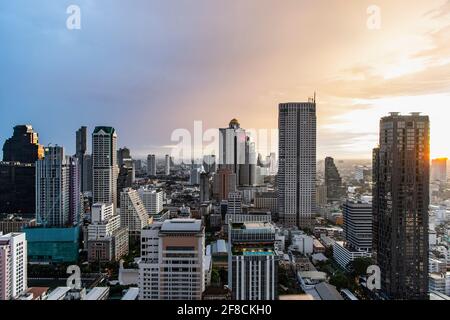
pixel 297 163
pixel 126 175
pixel 151 165
pixel 81 148
pixel 58 198
pixel 167 165
pixel 401 174
pixel 237 153
pixel 17 172
pixel 252 263
pixel 333 181
pixel 23 146
pixel 104 162
pixel 205 187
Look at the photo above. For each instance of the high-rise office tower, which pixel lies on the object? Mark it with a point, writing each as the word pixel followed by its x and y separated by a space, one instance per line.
pixel 439 169
pixel 13 265
pixel 252 263
pixel 237 153
pixel 210 163
pixel 87 174
pixel 23 146
pixel 52 188
pixel 81 149
pixel 297 163
pixel 357 216
pixel 333 181
pixel 167 165
pixel 104 165
pixel 194 177
pixel 151 165
pixel 17 172
pixel 133 214
pixel 18 188
pixel 76 208
pixel 180 277
pixel 205 187
pixel 126 175
pixel 124 157
pixel 401 176
pixel 224 183
pixel 81 141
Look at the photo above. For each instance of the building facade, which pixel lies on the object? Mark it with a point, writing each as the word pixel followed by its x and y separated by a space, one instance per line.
pixel 13 265
pixel 252 263
pixel 171 265
pixel 297 164
pixel 104 165
pixel 401 176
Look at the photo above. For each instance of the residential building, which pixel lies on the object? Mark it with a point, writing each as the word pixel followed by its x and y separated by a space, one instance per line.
pixel 401 176
pixel 252 263
pixel 153 199
pixel 133 214
pixel 13 265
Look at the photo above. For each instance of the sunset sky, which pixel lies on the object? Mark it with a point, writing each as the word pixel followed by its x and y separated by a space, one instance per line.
pixel 148 67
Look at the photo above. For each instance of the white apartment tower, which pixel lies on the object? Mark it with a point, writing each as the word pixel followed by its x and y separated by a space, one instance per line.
pixel 132 212
pixel 297 163
pixel 58 194
pixel 13 265
pixel 152 199
pixel 171 265
pixel 104 162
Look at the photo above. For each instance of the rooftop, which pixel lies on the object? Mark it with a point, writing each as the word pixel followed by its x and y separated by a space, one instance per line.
pixel 186 225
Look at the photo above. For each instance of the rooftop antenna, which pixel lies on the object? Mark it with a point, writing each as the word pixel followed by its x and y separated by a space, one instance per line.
pixel 314 96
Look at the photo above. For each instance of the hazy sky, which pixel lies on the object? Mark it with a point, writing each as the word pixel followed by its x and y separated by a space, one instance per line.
pixel 149 67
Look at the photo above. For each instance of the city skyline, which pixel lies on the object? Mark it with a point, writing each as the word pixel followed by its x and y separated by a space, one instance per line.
pixel 241 70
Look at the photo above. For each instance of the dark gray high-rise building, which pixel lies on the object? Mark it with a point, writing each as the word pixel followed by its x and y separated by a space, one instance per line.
pixel 401 175
pixel 23 146
pixel 297 164
pixel 17 172
pixel 151 165
pixel 333 181
pixel 205 187
pixel 81 148
pixel 81 141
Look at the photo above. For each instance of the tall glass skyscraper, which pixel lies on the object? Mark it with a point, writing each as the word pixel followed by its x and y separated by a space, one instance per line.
pixel 401 175
pixel 104 162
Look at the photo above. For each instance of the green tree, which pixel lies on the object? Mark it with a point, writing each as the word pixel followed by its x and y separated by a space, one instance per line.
pixel 359 266
pixel 339 280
